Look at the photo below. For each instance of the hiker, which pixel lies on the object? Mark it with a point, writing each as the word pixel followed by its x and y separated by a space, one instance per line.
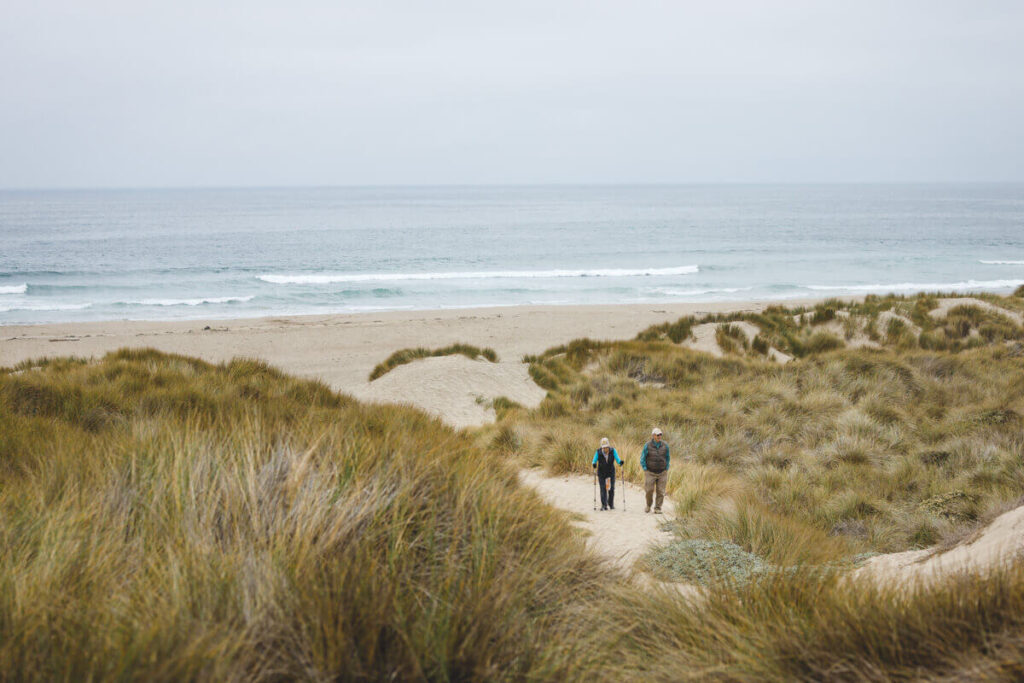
pixel 605 458
pixel 654 462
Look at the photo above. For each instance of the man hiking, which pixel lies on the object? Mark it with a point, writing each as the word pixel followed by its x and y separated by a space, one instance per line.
pixel 654 462
pixel 605 459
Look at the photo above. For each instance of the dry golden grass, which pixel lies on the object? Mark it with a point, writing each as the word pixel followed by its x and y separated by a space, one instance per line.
pixel 165 519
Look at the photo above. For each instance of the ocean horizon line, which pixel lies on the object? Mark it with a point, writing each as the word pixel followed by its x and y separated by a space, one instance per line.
pixel 522 185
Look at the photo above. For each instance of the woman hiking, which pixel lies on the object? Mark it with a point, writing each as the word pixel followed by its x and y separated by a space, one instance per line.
pixel 605 459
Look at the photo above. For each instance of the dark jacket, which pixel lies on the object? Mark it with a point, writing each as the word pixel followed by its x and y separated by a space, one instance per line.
pixel 606 466
pixel 654 457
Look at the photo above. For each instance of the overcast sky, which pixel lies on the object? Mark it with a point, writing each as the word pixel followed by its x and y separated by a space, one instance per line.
pixel 97 93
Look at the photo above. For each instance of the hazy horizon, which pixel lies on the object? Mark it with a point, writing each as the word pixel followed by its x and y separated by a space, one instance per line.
pixel 567 185
pixel 144 95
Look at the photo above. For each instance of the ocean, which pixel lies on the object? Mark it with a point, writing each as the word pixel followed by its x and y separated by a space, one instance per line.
pixel 231 253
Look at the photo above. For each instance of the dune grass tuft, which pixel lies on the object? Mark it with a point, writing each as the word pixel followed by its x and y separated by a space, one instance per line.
pixel 403 356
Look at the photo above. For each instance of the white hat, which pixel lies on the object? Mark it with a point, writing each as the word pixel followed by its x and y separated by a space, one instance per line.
pixel 604 442
pixel 656 431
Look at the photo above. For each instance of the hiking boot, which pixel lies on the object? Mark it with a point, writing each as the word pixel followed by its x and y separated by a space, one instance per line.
pixel 611 507
pixel 657 511
pixel 603 508
pixel 647 509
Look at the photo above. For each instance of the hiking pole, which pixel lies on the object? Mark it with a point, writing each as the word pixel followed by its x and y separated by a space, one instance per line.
pixel 622 485
pixel 595 490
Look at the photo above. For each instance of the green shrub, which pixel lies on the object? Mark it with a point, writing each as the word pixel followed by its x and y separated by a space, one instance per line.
pixel 701 562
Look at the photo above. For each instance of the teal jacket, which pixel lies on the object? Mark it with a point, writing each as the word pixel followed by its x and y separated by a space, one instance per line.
pixel 597 454
pixel 643 458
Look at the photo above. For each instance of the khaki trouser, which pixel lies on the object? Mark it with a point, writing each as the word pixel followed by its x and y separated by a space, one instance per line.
pixel 654 481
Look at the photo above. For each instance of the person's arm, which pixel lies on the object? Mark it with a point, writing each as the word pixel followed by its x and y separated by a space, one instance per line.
pixel 593 463
pixel 666 457
pixel 643 459
pixel 617 458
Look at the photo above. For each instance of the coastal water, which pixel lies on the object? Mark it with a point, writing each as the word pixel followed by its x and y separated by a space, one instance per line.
pixel 227 253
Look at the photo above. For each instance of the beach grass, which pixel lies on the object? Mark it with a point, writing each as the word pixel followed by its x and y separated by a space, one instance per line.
pixel 166 519
pixel 162 518
pixel 403 356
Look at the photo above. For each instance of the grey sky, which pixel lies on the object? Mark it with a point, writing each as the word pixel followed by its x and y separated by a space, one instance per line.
pixel 186 93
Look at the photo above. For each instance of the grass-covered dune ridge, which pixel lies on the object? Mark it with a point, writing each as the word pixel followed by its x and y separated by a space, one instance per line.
pixel 928 321
pixel 164 519
pixel 403 356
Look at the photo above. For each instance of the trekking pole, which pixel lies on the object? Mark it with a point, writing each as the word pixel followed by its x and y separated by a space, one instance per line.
pixel 622 485
pixel 595 490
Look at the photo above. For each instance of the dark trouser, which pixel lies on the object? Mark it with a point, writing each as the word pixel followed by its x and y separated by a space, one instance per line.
pixel 607 494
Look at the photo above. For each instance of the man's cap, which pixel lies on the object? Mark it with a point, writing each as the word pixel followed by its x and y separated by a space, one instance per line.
pixel 656 431
pixel 604 442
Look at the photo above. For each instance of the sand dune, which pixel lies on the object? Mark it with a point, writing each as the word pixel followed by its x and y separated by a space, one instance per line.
pixel 341 350
pixel 946 305
pixel 455 388
pixel 1000 541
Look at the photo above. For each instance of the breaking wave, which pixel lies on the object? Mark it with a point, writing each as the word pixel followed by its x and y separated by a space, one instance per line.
pixel 966 285
pixel 31 306
pixel 323 279
pixel 191 302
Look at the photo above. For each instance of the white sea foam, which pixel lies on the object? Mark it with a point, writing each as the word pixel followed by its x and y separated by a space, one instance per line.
pixel 967 285
pixel 191 302
pixel 481 275
pixel 670 291
pixel 1003 263
pixel 40 306
pixel 14 289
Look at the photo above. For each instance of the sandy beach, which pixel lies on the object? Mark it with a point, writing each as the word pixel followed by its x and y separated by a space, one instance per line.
pixel 341 350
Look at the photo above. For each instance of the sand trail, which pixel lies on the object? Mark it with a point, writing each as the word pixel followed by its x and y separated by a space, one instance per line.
pixel 622 535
